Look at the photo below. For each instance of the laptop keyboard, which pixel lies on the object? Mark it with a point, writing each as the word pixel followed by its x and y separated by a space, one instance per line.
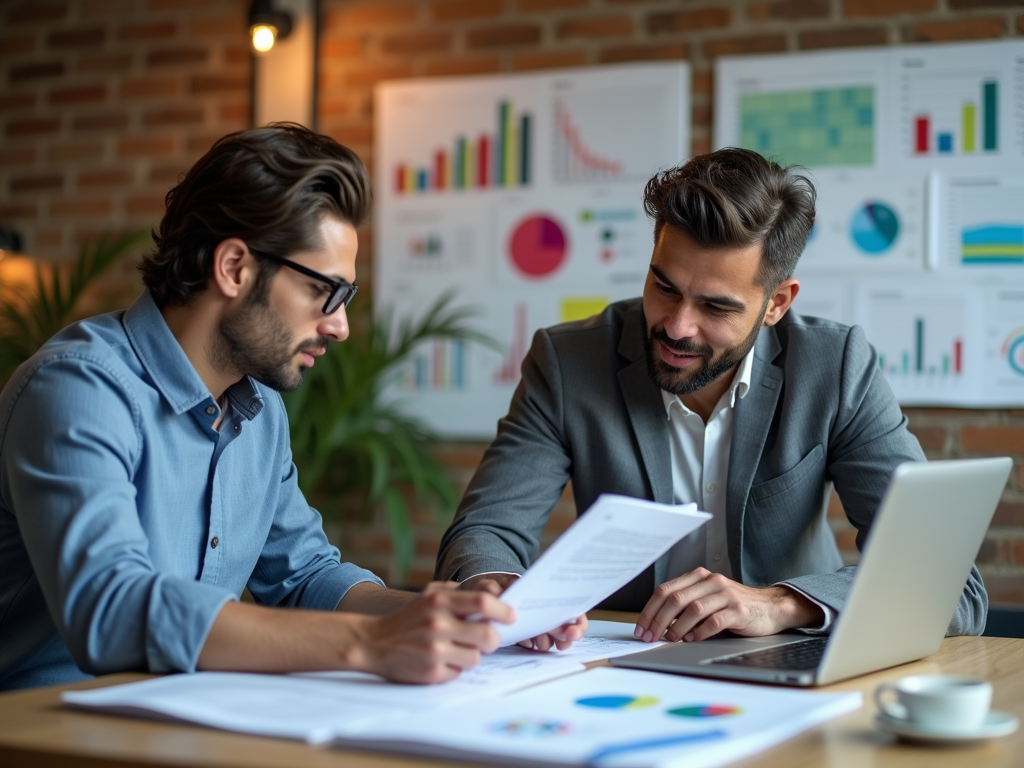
pixel 803 655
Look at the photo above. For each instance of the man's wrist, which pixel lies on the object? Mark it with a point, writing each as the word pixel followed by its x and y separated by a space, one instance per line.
pixel 794 609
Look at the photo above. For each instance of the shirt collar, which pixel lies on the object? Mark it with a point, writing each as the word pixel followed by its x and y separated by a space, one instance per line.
pixel 169 368
pixel 737 390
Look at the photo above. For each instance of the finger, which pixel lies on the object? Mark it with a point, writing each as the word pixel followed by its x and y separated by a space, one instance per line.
pixel 435 587
pixel 662 593
pixel 490 586
pixel 697 611
pixel 677 605
pixel 567 634
pixel 481 606
pixel 727 618
pixel 543 642
pixel 475 634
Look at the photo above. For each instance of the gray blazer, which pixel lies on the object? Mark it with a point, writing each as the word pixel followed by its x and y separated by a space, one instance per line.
pixel 818 412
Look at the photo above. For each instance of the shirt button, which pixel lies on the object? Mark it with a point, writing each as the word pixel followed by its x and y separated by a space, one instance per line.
pixel 711 487
pixel 717 557
pixel 214 542
pixel 238 427
pixel 210 410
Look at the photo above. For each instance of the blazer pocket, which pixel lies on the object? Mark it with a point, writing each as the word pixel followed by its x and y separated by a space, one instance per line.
pixel 808 466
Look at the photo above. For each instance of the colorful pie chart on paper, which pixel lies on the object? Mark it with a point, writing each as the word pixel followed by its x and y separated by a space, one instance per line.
pixel 705 710
pixel 874 228
pixel 618 702
pixel 538 246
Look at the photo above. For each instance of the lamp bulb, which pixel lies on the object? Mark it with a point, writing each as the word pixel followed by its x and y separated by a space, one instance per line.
pixel 263 37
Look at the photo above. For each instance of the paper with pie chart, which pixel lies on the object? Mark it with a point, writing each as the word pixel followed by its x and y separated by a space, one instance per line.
pixel 523 194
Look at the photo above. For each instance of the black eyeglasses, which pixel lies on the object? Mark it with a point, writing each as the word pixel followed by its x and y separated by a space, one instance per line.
pixel 342 291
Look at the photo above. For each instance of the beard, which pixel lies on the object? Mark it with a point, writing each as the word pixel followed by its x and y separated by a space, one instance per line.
pixel 685 382
pixel 255 341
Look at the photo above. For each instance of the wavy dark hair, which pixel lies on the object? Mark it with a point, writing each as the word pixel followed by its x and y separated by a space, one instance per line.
pixel 734 198
pixel 269 187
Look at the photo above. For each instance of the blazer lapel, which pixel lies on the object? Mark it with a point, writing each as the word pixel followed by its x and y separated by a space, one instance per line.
pixel 750 430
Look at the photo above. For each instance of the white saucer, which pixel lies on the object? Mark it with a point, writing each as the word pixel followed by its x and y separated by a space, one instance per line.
pixel 996 723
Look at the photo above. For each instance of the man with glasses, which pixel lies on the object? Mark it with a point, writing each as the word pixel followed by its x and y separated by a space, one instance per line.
pixel 145 471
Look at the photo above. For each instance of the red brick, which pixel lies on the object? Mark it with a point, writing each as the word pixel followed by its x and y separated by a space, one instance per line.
pixel 29 12
pixel 106 9
pixel 1009 513
pixel 738 45
pixel 106 121
pixel 36 183
pixel 930 438
pixel 19 156
pixel 145 146
pixel 177 5
pixel 427 546
pixel 991 551
pixel 353 134
pixel 842 38
pixel 238 54
pixel 460 10
pixel 992 440
pixel 159 30
pixel 688 21
pixel 36 71
pixel 16 45
pixel 473 66
pixel 113 62
pixel 19 210
pixel 376 12
pixel 175 57
pixel 417 42
pixel 550 60
pixel 965 5
pixel 86 206
pixel 152 204
pixel 49 238
pixel 80 95
pixel 599 27
pixel 367 77
pixel 92 37
pixel 240 111
pixel 11 102
pixel 789 10
pixel 534 6
pixel 225 25
pixel 219 83
pixel 106 178
pixel 1020 478
pixel 60 153
pixel 33 127
pixel 1020 24
pixel 509 35
pixel 854 8
pixel 667 52
pixel 966 29
pixel 703 82
pixel 1017 550
pixel 167 174
pixel 201 143
pixel 150 87
pixel 1006 590
pixel 341 47
pixel 173 116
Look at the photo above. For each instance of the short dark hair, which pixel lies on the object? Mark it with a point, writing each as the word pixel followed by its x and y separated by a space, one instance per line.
pixel 735 198
pixel 269 187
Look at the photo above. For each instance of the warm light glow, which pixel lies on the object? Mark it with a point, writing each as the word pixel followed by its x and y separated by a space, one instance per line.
pixel 263 37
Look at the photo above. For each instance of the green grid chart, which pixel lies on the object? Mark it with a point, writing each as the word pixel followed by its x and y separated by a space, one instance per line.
pixel 814 127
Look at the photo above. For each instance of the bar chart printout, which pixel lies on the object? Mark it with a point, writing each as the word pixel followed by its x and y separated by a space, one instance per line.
pixel 816 127
pixel 508 372
pixel 501 159
pixel 952 114
pixel 574 161
pixel 440 366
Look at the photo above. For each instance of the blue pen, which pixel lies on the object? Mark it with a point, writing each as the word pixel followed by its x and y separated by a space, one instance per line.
pixel 660 741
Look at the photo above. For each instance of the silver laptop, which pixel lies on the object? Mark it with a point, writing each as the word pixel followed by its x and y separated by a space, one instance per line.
pixel 915 564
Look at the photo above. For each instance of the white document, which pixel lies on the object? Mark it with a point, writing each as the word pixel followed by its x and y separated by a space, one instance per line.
pixel 604 640
pixel 613 717
pixel 606 548
pixel 313 707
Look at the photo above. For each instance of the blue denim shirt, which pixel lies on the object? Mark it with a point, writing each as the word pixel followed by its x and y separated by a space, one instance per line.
pixel 127 521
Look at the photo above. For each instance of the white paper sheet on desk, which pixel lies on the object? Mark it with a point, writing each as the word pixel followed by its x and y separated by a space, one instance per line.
pixel 606 548
pixel 313 707
pixel 604 640
pixel 613 718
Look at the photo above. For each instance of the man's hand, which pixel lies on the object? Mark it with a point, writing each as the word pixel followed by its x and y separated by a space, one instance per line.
pixel 560 637
pixel 703 604
pixel 432 639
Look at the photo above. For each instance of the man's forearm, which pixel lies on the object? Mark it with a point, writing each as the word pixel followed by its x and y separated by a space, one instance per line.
pixel 370 598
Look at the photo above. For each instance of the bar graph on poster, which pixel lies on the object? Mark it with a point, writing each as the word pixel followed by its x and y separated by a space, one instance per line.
pixel 917 154
pixel 523 194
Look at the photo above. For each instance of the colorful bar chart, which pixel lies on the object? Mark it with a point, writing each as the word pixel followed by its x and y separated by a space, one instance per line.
pixel 817 127
pixel 574 161
pixel 499 160
pixel 913 362
pixel 933 135
pixel 508 371
pixel 441 366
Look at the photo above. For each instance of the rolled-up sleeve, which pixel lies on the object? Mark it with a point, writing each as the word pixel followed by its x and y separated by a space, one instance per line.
pixel 73 442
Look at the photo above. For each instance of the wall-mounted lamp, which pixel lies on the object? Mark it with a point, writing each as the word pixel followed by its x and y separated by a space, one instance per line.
pixel 267 25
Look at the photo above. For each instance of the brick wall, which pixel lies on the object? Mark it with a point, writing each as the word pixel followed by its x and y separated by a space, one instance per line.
pixel 105 102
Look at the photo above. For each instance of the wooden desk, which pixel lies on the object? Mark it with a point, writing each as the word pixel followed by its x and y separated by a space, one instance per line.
pixel 37 732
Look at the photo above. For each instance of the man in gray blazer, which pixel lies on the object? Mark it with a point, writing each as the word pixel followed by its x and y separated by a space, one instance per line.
pixel 708 384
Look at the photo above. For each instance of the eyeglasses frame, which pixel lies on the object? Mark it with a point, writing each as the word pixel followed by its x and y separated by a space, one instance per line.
pixel 337 298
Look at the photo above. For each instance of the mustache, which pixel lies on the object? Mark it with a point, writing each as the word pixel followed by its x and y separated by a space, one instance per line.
pixel 320 342
pixel 682 346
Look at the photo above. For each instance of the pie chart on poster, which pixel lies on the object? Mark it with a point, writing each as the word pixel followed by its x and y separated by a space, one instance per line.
pixel 538 246
pixel 874 228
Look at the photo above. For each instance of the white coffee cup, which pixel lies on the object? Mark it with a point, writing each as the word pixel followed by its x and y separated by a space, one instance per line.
pixel 948 702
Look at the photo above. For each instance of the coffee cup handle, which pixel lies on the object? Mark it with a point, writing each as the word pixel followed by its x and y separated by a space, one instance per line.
pixel 891 708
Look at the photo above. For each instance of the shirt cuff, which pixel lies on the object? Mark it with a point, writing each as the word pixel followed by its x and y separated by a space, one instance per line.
pixel 830 613
pixel 487 573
